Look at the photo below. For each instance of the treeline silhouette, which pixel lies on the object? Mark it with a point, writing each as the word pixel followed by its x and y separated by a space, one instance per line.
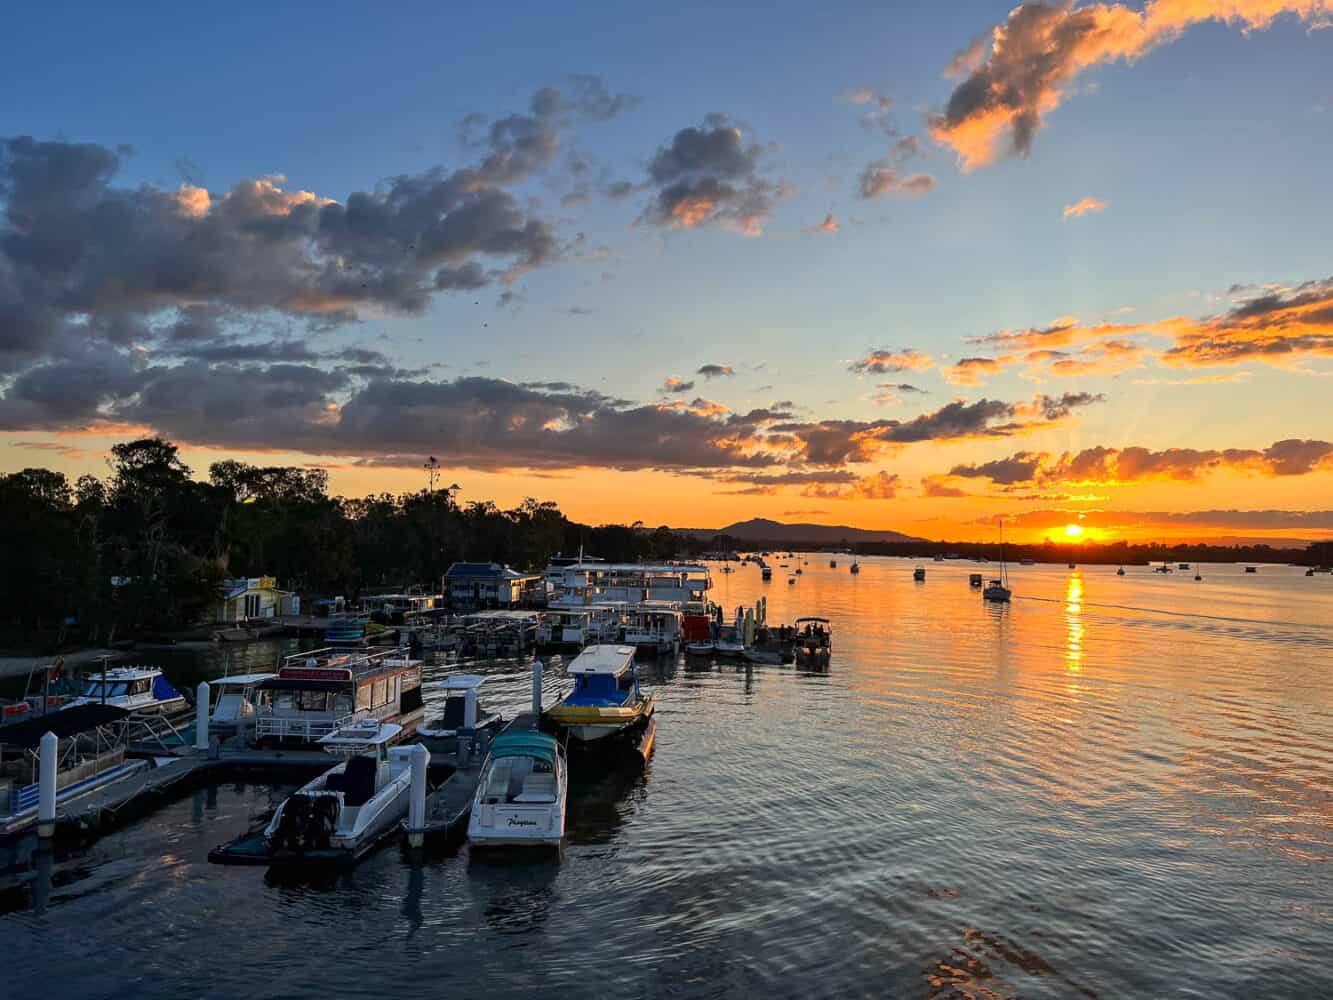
pixel 167 540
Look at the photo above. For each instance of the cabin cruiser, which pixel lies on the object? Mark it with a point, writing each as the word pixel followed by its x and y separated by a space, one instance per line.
pixel 135 689
pixel 317 692
pixel 462 710
pixel 606 700
pixel 521 794
pixel 347 809
pixel 564 629
pixel 653 628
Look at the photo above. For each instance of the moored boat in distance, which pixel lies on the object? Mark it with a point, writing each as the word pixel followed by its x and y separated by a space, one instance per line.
pixel 833 564
pixel 521 795
pixel 814 642
pixel 1251 569
pixel 974 580
pixel 998 590
pixel 606 699
pixel 462 710
pixel 856 567
pixel 765 572
pixel 701 647
pixel 919 574
pixel 1120 571
pixel 1027 562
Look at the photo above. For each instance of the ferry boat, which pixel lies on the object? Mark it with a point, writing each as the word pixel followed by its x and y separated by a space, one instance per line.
pixel 318 692
pixel 462 710
pixel 606 700
pixel 342 814
pixel 135 689
pixel 562 629
pixel 652 628
pixel 521 794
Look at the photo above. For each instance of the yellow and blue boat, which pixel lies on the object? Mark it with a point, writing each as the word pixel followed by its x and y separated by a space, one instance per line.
pixel 606 700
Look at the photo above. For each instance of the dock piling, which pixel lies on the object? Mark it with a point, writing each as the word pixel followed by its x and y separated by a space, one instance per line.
pixel 537 687
pixel 416 809
pixel 48 748
pixel 201 716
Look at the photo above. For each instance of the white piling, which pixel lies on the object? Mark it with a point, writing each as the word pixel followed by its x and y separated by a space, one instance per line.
pixel 49 748
pixel 470 708
pixel 537 687
pixel 416 808
pixel 201 716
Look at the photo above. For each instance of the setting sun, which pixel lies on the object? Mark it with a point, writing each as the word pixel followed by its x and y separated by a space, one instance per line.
pixel 1074 530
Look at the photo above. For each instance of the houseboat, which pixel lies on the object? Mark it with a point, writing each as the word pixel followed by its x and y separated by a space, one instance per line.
pixel 653 628
pixel 135 689
pixel 561 629
pixel 462 710
pixel 323 690
pixel 606 700
pixel 521 793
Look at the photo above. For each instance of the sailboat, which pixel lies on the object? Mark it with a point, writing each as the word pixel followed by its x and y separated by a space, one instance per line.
pixel 998 590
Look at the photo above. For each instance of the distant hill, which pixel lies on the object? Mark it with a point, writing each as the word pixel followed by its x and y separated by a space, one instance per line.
pixel 761 529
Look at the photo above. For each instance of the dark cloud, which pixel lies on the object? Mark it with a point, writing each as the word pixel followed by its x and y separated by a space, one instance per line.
pixel 881 177
pixel 715 371
pixel 1108 466
pixel 710 175
pixel 673 384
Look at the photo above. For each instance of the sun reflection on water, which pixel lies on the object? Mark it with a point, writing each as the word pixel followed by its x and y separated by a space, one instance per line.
pixel 1074 623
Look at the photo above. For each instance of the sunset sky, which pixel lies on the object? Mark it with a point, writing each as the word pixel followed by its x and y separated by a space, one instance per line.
pixel 885 265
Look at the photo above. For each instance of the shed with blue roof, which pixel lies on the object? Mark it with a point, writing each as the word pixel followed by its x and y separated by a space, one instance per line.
pixel 489 585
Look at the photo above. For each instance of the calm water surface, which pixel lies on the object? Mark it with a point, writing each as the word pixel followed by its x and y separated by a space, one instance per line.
pixel 1113 787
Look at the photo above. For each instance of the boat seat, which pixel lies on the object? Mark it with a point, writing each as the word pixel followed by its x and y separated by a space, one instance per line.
pixel 538 788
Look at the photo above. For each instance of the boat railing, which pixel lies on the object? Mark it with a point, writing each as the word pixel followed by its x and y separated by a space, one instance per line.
pixel 358 662
pixel 285 727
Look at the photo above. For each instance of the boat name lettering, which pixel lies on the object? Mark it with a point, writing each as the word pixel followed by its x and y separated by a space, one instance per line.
pixel 522 822
pixel 316 674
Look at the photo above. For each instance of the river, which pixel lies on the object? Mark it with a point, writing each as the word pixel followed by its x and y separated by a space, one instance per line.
pixel 1115 786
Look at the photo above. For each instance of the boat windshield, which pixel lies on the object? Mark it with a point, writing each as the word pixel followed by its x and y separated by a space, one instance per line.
pixel 114 689
pixel 518 779
pixel 600 689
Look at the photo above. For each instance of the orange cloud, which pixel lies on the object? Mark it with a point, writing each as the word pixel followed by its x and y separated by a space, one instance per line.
pixel 1275 327
pixel 882 361
pixel 880 486
pixel 1036 55
pixel 971 371
pixel 1084 206
pixel 829 225
pixel 939 487
pixel 1104 466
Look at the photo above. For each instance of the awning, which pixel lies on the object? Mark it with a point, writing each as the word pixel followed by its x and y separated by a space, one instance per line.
pixel 27 735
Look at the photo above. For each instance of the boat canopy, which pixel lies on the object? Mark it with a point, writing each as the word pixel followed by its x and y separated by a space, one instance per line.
pixel 27 735
pixel 240 680
pixel 458 682
pixel 612 660
pixel 366 733
pixel 811 618
pixel 542 746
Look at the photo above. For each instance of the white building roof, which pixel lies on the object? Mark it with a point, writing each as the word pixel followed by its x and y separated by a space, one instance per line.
pixel 614 660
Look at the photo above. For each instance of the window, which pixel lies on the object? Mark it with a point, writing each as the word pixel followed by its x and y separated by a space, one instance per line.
pixel 378 698
pixel 251 605
pixel 362 698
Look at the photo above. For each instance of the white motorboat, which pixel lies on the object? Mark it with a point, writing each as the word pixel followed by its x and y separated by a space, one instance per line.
pixel 344 812
pixel 521 794
pixel 462 710
pixel 730 642
pixel 234 701
pixel 135 689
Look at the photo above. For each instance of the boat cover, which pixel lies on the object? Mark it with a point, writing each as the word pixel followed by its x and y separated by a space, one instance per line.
pixel 162 689
pixel 27 735
pixel 539 745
